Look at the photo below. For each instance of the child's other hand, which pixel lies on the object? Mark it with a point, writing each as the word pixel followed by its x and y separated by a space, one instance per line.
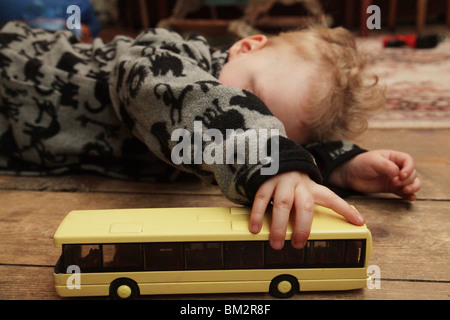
pixel 295 191
pixel 379 171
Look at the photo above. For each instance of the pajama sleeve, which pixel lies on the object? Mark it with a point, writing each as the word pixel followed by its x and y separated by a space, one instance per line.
pixel 329 155
pixel 163 88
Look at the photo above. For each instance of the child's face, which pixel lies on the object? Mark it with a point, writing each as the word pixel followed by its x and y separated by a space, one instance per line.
pixel 280 79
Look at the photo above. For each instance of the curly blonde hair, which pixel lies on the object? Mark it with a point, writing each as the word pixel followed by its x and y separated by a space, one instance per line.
pixel 344 94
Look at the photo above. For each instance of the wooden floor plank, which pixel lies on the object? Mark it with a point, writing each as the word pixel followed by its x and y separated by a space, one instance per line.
pixel 411 240
pixel 407 244
pixel 427 148
pixel 97 183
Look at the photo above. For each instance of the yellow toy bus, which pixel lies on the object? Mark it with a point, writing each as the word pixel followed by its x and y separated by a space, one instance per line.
pixel 127 252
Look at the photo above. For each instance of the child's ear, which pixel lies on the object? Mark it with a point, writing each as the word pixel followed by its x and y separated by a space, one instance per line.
pixel 247 45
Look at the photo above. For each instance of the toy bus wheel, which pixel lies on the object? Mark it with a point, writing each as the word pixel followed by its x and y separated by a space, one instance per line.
pixel 284 286
pixel 123 289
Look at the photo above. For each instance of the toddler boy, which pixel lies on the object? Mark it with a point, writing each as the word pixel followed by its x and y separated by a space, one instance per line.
pixel 112 108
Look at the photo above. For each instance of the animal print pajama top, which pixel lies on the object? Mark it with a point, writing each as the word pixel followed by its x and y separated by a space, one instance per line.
pixel 67 106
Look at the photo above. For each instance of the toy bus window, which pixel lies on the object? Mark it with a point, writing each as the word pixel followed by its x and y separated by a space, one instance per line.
pixel 163 256
pixel 354 252
pixel 122 256
pixel 87 257
pixel 287 257
pixel 203 255
pixel 243 255
pixel 325 253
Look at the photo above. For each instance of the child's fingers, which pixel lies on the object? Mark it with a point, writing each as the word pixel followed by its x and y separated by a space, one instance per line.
pixel 412 187
pixel 408 192
pixel 406 181
pixel 386 167
pixel 282 204
pixel 260 203
pixel 304 214
pixel 329 199
pixel 405 162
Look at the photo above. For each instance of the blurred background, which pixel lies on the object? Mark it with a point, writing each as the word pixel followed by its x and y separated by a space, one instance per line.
pixel 225 18
pixel 417 76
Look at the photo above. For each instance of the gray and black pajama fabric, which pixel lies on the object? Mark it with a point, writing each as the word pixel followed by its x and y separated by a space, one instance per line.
pixel 111 108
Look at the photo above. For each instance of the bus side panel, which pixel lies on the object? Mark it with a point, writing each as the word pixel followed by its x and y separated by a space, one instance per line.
pixel 85 286
pixel 204 287
pixel 207 281
pixel 332 285
pixel 214 275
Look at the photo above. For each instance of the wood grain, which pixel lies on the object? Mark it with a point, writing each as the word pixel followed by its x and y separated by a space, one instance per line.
pixel 411 240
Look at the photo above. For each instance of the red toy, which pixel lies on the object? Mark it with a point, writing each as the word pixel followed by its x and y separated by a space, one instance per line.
pixel 413 41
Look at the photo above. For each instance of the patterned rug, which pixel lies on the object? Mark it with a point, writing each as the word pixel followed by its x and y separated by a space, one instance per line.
pixel 417 82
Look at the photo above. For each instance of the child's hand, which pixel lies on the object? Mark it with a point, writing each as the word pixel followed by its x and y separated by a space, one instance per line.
pixel 297 192
pixel 379 171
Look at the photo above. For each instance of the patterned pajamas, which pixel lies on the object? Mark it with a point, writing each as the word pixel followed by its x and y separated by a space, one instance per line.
pixel 67 106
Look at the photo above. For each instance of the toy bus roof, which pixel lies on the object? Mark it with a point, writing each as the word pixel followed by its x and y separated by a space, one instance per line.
pixel 187 224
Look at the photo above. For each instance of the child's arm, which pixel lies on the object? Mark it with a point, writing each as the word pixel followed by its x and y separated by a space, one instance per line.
pixel 343 165
pixel 379 171
pixel 162 85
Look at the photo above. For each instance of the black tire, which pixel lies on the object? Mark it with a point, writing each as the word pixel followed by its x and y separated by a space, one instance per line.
pixel 284 286
pixel 123 289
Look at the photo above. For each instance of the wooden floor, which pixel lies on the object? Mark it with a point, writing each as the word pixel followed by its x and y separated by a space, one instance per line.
pixel 411 240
